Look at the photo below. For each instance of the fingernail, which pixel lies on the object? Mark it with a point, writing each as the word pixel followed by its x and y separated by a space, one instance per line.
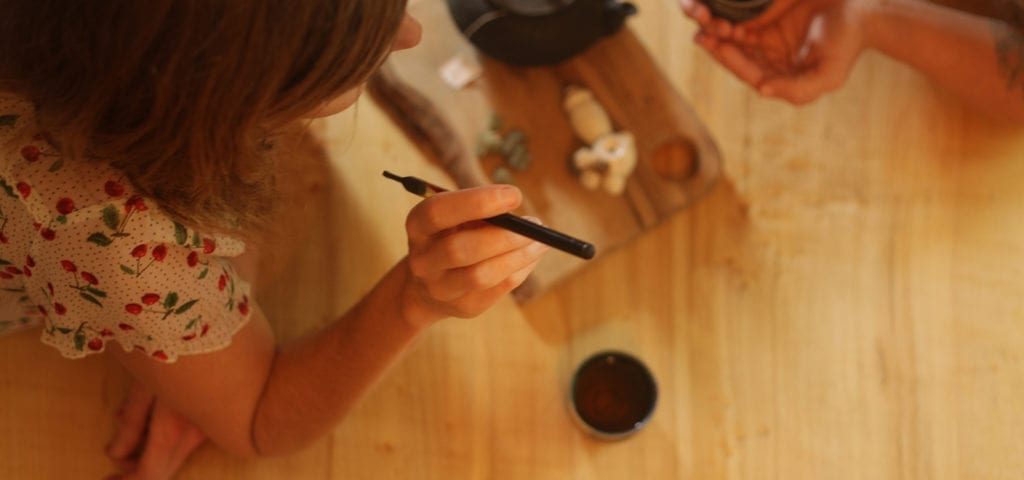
pixel 533 219
pixel 508 194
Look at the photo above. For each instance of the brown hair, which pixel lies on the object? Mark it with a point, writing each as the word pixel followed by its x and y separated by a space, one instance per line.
pixel 181 94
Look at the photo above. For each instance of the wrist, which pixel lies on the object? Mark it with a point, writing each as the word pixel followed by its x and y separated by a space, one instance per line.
pixel 394 301
pixel 412 310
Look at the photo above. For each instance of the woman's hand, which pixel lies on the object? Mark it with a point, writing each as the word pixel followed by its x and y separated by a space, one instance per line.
pixel 796 51
pixel 726 30
pixel 151 441
pixel 459 265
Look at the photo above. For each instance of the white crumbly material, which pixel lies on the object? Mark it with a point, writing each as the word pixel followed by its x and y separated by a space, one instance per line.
pixel 587 117
pixel 611 157
pixel 460 70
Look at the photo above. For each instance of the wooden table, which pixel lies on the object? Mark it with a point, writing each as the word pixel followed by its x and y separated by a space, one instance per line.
pixel 846 305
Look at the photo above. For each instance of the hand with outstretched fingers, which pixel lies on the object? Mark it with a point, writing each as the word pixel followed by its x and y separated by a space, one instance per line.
pixel 151 441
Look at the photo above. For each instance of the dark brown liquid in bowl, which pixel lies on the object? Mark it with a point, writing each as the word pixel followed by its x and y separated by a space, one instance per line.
pixel 613 393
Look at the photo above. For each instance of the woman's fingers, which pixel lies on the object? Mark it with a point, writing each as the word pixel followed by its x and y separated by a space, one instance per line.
pixel 448 210
pixel 700 13
pixel 733 58
pixel 486 275
pixel 475 303
pixel 462 248
pixel 170 441
pixel 805 87
pixel 457 262
pixel 132 419
pixel 151 442
pixel 826 62
pixel 775 10
pixel 697 11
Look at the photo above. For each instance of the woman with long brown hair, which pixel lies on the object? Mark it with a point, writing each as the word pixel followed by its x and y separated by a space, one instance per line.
pixel 136 154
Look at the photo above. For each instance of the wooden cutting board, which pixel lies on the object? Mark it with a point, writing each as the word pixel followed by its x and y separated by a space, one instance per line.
pixel 625 80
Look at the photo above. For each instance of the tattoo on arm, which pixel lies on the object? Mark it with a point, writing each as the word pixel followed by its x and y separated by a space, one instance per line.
pixel 1009 36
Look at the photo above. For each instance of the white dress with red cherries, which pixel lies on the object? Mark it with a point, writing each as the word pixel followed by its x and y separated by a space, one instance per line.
pixel 87 260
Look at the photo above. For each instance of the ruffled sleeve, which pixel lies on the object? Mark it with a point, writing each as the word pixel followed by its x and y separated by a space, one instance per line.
pixel 92 261
pixel 125 272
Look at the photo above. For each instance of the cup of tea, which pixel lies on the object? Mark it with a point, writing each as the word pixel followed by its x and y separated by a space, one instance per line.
pixel 612 395
pixel 737 10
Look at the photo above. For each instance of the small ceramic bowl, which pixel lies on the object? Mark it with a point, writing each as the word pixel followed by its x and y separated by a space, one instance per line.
pixel 612 395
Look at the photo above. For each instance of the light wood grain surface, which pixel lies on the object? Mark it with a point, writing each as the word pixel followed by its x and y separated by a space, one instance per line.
pixel 845 305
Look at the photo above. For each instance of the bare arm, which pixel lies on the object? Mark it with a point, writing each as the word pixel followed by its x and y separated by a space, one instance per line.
pixel 323 376
pixel 980 59
pixel 255 399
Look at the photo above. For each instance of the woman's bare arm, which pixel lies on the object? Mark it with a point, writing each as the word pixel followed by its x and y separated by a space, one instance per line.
pixel 254 398
pixel 978 58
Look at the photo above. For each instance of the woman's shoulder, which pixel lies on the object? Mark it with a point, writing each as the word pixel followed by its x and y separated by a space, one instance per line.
pixel 68 194
pixel 34 169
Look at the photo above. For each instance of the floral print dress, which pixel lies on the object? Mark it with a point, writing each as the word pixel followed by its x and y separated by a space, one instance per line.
pixel 89 261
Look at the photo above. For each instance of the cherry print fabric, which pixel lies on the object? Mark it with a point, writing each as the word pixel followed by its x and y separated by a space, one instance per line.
pixel 90 261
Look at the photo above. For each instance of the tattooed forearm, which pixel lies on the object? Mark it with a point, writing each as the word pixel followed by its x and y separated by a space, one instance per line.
pixel 1009 36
